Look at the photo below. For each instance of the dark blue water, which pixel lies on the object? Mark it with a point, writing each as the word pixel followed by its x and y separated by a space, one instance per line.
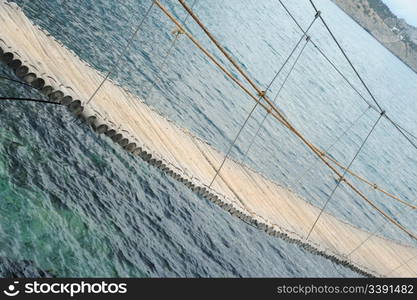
pixel 75 205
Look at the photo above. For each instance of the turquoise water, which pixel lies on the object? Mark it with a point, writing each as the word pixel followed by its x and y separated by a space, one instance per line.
pixel 72 204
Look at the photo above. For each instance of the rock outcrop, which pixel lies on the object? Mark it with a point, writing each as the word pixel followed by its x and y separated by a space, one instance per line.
pixel 392 32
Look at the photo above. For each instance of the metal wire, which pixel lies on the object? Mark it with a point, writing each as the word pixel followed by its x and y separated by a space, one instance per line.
pixel 343 175
pixel 123 52
pixel 256 104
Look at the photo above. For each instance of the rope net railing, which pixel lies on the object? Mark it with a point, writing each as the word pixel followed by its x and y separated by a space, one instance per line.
pixel 313 148
pixel 400 128
pixel 345 174
pixel 278 115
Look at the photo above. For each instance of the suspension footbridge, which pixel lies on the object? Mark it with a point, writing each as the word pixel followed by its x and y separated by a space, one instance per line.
pixel 48 66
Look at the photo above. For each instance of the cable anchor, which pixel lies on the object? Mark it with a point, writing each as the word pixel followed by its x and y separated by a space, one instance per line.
pixel 341 179
pixel 262 94
pixel 177 31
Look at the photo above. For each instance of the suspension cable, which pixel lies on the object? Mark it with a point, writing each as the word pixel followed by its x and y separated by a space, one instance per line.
pixel 400 258
pixel 276 97
pixel 256 104
pixel 376 231
pixel 216 43
pixel 401 265
pixel 123 52
pixel 347 58
pixel 230 59
pixel 343 176
pixel 29 100
pixel 326 57
pixel 94 93
pixel 352 124
pixel 402 132
pixel 4 77
pixel 275 112
pixel 374 185
pixel 359 76
pixel 403 129
pixel 168 53
pixel 281 118
pixel 341 73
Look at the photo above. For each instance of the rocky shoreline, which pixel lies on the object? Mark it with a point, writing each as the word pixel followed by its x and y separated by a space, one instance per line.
pixel 392 32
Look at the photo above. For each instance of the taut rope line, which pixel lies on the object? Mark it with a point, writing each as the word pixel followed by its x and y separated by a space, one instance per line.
pixel 122 53
pixel 405 130
pixel 352 124
pixel 308 39
pixel 168 53
pixel 327 58
pixel 29 100
pixel 373 185
pixel 345 78
pixel 256 104
pixel 402 132
pixel 160 149
pixel 379 228
pixel 214 60
pixel 347 59
pixel 279 116
pixel 399 128
pixel 222 50
pixel 343 175
pixel 358 75
pixel 247 77
pixel 17 81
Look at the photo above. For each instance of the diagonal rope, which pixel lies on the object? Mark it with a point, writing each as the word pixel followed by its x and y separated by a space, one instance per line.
pixel 276 97
pixel 275 112
pixel 359 76
pixel 341 73
pixel 343 175
pixel 26 85
pixel 229 58
pixel 29 100
pixel 24 4
pixel 401 265
pixel 228 74
pixel 123 52
pixel 326 57
pixel 347 58
pixel 344 77
pixel 379 228
pixel 382 226
pixel 352 124
pixel 402 132
pixel 168 54
pixel 322 53
pixel 403 129
pixel 364 180
pixel 261 96
pixel 4 77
